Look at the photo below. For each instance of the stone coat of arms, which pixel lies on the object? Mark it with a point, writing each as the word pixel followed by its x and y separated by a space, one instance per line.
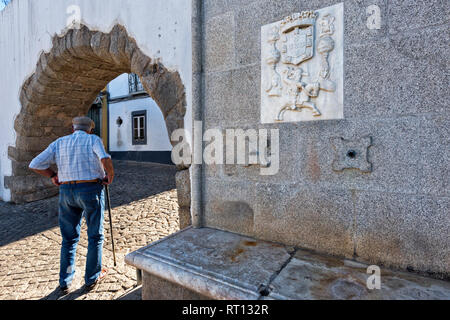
pixel 298 63
pixel 297 38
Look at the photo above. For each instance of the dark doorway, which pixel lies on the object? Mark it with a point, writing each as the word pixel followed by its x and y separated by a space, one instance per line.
pixel 95 114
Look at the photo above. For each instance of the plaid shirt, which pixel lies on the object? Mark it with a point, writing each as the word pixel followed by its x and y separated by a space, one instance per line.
pixel 77 157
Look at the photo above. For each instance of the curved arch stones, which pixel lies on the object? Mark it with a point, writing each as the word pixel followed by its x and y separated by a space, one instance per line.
pixel 66 81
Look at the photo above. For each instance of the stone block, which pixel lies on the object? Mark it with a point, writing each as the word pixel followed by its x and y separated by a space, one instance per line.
pixel 81 43
pixel 305 217
pixel 434 162
pixel 213 263
pixel 117 45
pixel 34 143
pixel 61 52
pixel 27 184
pixel 409 15
pixel 24 125
pixel 100 44
pixel 371 64
pixel 184 214
pixel 183 182
pixel 213 8
pixel 307 155
pixel 20 168
pixel 218 100
pixel 312 277
pixel 427 46
pixel 229 205
pixel 60 131
pixel 34 196
pixel 249 19
pixel 21 155
pixel 287 151
pixel 174 121
pixel 404 231
pixel 130 47
pixel 394 154
pixel 245 106
pixel 169 92
pixel 357 16
pixel 139 62
pixel 240 108
pixel 155 288
pixel 48 192
pixel 219 44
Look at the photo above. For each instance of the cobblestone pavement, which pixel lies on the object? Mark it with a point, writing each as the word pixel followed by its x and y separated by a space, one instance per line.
pixel 145 209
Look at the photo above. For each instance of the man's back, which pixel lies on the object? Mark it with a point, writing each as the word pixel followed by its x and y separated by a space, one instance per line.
pixel 77 156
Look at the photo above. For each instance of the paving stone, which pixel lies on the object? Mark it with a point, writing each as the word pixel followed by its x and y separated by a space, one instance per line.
pixel 30 237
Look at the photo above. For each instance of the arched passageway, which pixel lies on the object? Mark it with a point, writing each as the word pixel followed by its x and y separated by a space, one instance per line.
pixel 66 81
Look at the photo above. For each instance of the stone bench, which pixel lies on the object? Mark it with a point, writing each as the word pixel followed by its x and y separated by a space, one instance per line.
pixel 211 264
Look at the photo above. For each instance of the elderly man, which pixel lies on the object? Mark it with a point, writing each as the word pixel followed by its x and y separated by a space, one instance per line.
pixel 82 161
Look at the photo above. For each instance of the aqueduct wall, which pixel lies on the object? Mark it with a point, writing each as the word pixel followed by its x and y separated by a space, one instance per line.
pixel 56 69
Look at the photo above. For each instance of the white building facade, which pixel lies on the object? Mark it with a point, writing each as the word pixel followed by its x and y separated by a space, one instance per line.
pixel 136 127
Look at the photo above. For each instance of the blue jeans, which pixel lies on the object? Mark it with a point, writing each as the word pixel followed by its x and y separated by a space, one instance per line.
pixel 76 201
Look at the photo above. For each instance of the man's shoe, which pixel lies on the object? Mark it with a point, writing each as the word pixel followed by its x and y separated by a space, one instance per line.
pixel 100 278
pixel 65 290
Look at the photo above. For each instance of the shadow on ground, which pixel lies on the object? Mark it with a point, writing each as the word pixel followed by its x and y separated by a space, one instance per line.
pixel 133 181
pixel 135 294
pixel 57 294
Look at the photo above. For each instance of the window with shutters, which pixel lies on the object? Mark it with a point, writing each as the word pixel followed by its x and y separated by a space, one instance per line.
pixel 139 126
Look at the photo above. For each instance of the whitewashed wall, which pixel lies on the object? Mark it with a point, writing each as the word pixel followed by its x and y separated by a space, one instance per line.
pixel 162 29
pixel 120 138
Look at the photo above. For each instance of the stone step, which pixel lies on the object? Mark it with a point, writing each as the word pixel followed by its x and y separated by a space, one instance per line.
pixel 41 194
pixel 212 264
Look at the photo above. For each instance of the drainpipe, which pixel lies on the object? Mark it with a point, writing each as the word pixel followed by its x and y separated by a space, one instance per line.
pixel 197 109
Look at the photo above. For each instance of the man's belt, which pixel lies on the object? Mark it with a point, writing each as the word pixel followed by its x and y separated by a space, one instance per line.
pixel 80 181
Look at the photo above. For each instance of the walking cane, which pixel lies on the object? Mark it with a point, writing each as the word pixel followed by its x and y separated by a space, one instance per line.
pixel 108 200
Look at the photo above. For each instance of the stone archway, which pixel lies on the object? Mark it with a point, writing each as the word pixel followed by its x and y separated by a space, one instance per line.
pixel 66 81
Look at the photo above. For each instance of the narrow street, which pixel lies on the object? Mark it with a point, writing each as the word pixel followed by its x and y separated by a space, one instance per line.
pixel 145 209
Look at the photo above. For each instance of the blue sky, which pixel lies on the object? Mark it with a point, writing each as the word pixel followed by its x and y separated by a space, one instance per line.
pixel 2 5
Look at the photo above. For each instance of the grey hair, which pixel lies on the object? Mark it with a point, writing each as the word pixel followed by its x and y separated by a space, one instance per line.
pixel 82 127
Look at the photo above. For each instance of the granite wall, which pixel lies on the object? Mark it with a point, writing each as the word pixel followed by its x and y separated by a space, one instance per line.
pixel 395 91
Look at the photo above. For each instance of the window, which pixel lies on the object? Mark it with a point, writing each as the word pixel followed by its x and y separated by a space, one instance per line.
pixel 139 121
pixel 134 83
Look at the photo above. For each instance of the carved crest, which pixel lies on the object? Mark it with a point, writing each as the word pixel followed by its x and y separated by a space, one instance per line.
pixel 301 66
pixel 298 37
